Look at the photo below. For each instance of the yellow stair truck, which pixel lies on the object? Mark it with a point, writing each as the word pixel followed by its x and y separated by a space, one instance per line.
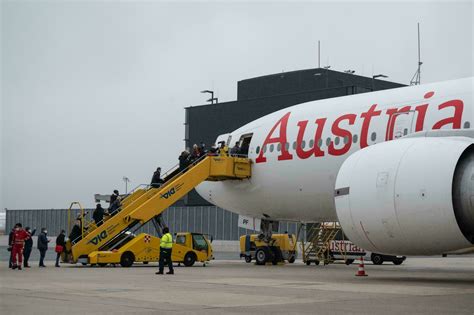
pixel 114 239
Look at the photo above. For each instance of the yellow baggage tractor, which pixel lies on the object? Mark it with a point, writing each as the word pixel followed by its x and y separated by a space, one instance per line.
pixel 282 247
pixel 188 248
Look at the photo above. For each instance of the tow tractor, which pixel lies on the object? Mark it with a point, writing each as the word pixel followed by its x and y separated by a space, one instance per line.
pixel 281 247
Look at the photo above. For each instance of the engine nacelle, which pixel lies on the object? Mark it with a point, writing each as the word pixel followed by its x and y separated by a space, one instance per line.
pixel 411 196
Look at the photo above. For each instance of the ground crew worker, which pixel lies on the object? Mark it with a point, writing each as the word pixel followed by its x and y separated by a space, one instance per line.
pixel 235 150
pixel 166 246
pixel 10 246
pixel 19 238
pixel 28 247
pixel 156 180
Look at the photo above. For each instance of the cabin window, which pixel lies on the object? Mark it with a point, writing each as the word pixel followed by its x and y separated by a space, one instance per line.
pixel 303 144
pixel 328 141
pixel 271 147
pixel 355 138
pixel 336 141
pixel 265 148
pixel 346 139
pixel 287 146
pixel 373 136
pixel 320 142
pixel 294 145
pixel 258 150
pixel 311 143
pixel 279 147
pixel 467 125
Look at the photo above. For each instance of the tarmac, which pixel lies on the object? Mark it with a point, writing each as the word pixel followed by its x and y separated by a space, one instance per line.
pixel 418 286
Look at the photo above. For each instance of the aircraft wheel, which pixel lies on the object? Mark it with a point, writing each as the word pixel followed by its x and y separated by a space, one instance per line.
pixel 349 261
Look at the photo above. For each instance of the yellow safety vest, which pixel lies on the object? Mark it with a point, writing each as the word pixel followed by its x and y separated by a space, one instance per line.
pixel 166 241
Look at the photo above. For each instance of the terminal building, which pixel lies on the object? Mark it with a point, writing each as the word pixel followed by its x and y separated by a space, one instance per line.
pixel 256 97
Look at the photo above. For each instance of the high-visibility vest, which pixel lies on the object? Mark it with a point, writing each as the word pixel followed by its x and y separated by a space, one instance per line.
pixel 166 241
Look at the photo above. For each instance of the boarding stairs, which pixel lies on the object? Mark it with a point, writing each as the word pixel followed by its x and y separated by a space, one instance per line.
pixel 147 203
pixel 317 246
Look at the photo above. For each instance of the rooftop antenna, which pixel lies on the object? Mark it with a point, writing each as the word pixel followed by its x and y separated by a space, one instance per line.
pixel 416 80
pixel 319 54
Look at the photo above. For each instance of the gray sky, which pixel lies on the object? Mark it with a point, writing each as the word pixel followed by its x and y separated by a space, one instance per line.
pixel 94 91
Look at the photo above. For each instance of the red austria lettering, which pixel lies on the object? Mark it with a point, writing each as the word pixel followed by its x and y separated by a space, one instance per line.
pixel 315 150
pixel 367 116
pixel 455 120
pixel 339 132
pixel 281 139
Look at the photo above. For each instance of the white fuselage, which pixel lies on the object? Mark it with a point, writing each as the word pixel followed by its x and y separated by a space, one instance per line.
pixel 297 183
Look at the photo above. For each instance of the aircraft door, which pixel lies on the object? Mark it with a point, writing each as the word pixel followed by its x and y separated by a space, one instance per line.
pixel 402 124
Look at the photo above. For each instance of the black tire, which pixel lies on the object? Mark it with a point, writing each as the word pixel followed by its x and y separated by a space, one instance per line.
pixel 189 259
pixel 349 261
pixel 277 255
pixel 248 259
pixel 308 263
pixel 84 264
pixel 127 259
pixel 398 261
pixel 145 262
pixel 102 264
pixel 376 259
pixel 316 262
pixel 292 259
pixel 262 255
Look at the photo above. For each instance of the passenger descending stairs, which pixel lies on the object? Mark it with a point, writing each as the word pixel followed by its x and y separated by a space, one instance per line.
pixel 318 241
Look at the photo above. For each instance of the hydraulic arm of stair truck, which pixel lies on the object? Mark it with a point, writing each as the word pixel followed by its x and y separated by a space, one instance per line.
pixel 145 204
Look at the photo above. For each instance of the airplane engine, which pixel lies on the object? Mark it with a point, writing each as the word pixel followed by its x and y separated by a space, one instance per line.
pixel 410 196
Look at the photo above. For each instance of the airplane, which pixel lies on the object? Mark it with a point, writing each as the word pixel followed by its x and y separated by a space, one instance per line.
pixel 394 167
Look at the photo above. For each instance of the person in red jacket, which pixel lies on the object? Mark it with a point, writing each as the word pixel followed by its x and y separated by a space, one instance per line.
pixel 19 238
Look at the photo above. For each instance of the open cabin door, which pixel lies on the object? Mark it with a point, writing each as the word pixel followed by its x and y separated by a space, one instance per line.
pixel 244 144
pixel 401 124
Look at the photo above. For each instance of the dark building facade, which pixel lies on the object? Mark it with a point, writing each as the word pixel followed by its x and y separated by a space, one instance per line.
pixel 257 97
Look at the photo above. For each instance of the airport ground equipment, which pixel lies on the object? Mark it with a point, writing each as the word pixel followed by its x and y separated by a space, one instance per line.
pixel 188 248
pixel 145 204
pixel 281 247
pixel 319 236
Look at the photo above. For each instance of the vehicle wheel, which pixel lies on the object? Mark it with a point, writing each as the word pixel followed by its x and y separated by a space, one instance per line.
pixel 376 259
pixel 102 264
pixel 189 259
pixel 127 259
pixel 277 256
pixel 84 264
pixel 145 262
pixel 349 261
pixel 308 263
pixel 262 255
pixel 398 261
pixel 292 259
pixel 248 259
pixel 316 262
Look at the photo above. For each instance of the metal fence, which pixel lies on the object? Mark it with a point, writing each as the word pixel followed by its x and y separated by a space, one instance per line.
pixel 218 222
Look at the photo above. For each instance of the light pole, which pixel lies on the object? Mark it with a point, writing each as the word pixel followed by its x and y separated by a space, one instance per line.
pixel 375 77
pixel 126 180
pixel 212 99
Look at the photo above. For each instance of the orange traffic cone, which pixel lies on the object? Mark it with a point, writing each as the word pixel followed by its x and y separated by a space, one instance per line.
pixel 361 271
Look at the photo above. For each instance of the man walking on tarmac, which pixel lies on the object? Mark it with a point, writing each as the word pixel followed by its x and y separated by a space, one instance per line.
pixel 19 238
pixel 166 246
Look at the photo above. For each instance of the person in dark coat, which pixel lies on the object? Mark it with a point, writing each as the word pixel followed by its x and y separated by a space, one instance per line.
pixel 60 246
pixel 10 245
pixel 156 180
pixel 28 247
pixel 235 150
pixel 98 214
pixel 76 233
pixel 183 160
pixel 114 196
pixel 43 245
